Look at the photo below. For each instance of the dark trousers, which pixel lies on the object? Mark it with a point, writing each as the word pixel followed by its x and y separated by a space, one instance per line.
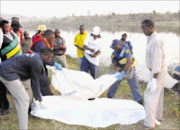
pixel 133 84
pixel 87 66
pixel 45 85
pixel 4 104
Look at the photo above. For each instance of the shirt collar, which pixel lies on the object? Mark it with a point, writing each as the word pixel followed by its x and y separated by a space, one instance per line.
pixel 152 35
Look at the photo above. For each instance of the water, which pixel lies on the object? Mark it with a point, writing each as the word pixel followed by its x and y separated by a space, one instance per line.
pixel 139 42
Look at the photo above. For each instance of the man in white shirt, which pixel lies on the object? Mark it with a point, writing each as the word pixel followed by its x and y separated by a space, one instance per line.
pixel 93 48
pixel 155 62
pixel 1 37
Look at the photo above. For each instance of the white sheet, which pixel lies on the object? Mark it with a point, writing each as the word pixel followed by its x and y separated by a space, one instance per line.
pixel 73 107
pixel 80 84
pixel 101 112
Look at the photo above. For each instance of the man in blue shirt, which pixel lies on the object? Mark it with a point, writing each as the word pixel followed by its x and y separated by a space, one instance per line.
pixel 124 63
pixel 21 68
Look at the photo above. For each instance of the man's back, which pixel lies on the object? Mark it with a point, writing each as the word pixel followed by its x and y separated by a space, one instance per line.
pixel 21 67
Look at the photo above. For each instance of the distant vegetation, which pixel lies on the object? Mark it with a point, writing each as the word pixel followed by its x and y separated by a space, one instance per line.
pixel 167 22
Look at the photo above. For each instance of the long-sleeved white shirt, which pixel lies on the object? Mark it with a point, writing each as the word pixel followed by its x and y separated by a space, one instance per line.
pixel 155 54
pixel 1 39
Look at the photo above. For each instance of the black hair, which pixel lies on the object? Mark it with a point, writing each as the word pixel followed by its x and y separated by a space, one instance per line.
pixel 81 26
pixel 148 23
pixel 46 51
pixel 124 34
pixel 48 33
pixel 15 25
pixel 2 23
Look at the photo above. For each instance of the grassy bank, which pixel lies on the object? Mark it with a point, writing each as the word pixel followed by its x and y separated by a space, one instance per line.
pixel 171 110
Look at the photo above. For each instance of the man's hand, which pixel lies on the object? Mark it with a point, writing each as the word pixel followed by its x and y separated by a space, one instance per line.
pixel 40 100
pixel 92 50
pixel 93 55
pixel 152 85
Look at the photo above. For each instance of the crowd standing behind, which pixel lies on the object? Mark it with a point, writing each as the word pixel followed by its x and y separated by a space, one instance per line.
pixel 24 74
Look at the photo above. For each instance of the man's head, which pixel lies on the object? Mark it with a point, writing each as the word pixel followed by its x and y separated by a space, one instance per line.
pixel 49 35
pixel 15 18
pixel 122 41
pixel 124 36
pixel 26 35
pixel 57 33
pixel 46 54
pixel 116 45
pixel 15 25
pixel 81 29
pixel 147 27
pixel 4 24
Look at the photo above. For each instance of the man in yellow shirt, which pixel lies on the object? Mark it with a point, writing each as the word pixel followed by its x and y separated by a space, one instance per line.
pixel 79 41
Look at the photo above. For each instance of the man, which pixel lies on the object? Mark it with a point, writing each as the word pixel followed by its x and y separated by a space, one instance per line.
pixel 93 47
pixel 79 42
pixel 124 63
pixel 155 62
pixel 46 40
pixel 127 43
pixel 9 48
pixel 26 43
pixel 59 49
pixel 20 68
pixel 20 32
pixel 1 35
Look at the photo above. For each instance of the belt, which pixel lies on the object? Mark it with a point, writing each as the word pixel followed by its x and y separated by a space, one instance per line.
pixel 161 67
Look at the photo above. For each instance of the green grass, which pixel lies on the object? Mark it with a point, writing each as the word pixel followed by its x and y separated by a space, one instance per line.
pixel 171 110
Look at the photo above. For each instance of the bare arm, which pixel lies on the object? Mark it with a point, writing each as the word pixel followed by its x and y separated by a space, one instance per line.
pixel 88 48
pixel 81 48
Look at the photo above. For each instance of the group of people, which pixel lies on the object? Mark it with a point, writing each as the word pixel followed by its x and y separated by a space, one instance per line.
pixel 48 48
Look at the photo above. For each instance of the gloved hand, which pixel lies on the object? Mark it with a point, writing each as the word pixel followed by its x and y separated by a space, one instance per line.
pixel 42 105
pixel 58 66
pixel 152 85
pixel 120 76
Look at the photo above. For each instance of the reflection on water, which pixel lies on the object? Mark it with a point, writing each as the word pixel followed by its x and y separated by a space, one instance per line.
pixel 139 41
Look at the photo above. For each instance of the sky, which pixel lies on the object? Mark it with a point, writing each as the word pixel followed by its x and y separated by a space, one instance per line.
pixel 67 8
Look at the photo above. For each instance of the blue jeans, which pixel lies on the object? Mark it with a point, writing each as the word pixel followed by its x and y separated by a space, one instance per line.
pixel 80 60
pixel 133 84
pixel 87 66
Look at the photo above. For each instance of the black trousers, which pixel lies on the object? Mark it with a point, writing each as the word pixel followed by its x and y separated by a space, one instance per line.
pixel 4 104
pixel 45 85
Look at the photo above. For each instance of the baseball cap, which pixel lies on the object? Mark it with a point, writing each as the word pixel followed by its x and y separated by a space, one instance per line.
pixel 96 30
pixel 115 42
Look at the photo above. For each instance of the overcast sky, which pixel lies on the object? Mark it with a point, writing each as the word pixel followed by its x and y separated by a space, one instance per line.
pixel 67 8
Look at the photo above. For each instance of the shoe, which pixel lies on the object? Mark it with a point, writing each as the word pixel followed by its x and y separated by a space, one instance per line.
pixel 5 111
pixel 141 102
pixel 157 122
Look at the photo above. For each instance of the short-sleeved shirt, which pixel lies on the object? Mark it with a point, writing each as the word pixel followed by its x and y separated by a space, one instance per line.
pixel 57 42
pixel 79 40
pixel 95 44
pixel 116 57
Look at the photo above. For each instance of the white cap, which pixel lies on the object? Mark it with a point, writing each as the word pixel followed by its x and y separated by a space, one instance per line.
pixel 96 30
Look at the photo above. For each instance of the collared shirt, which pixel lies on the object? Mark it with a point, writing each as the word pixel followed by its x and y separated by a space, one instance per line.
pixel 1 40
pixel 79 40
pixel 58 41
pixel 155 54
pixel 27 66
